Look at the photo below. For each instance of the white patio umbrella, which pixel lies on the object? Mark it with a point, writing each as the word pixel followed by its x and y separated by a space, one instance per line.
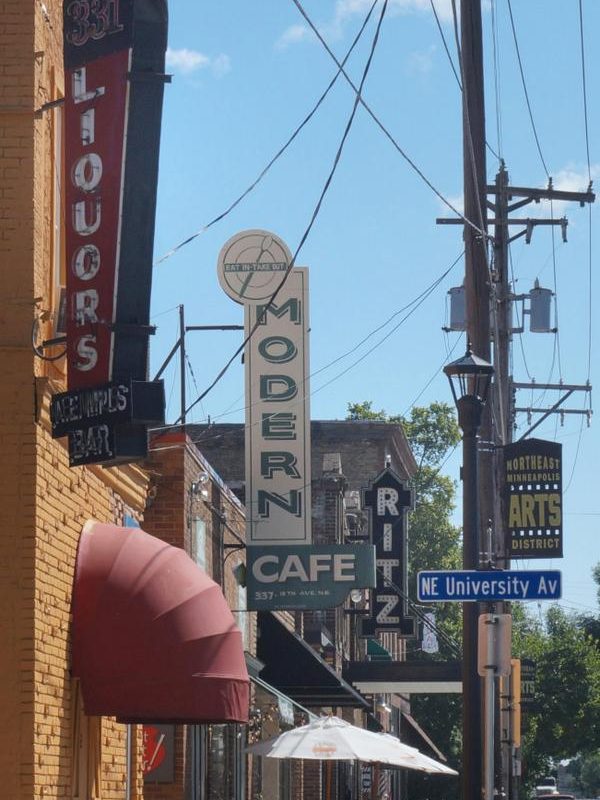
pixel 333 739
pixel 420 760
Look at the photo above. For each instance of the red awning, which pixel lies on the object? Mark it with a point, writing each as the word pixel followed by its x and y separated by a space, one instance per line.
pixel 153 636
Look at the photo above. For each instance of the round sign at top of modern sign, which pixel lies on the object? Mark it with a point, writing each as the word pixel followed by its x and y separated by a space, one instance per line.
pixel 252 265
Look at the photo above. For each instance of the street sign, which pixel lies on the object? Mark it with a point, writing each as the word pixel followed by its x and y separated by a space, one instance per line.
pixel 460 586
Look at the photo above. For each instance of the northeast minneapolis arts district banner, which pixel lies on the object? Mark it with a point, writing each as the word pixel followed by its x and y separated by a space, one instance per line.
pixel 533 499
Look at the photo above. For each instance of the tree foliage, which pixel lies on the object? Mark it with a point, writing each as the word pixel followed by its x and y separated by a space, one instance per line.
pixel 565 720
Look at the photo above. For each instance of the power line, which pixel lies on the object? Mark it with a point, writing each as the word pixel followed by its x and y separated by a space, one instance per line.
pixel 535 133
pixel 384 130
pixel 278 154
pixel 584 83
pixel 495 42
pixel 417 301
pixel 446 48
pixel 314 214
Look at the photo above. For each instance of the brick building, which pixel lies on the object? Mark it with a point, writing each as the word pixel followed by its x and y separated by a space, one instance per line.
pixel 49 746
pixel 346 457
pixel 43 503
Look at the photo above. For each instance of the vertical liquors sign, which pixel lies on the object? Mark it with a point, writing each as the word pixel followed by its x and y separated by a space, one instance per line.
pixel 114 52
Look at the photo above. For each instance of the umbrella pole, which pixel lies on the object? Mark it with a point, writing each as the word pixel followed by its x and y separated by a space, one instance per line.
pixel 328 780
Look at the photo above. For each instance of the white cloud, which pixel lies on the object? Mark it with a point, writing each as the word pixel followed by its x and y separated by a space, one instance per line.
pixel 568 179
pixel 188 61
pixel 421 61
pixel 293 35
pixel 221 65
pixel 345 10
pixel 456 201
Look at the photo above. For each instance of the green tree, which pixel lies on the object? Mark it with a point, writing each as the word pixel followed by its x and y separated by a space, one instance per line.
pixel 589 777
pixel 565 721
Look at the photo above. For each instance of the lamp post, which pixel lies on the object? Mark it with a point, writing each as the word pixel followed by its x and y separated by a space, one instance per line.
pixel 470 378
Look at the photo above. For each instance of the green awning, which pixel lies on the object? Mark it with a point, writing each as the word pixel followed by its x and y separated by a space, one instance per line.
pixel 376 651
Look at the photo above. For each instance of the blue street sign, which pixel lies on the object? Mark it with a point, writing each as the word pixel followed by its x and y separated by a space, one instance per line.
pixel 460 586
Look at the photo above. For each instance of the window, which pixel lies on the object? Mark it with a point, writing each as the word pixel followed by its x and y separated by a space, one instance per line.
pixel 199 542
pixel 241 617
pixel 226 762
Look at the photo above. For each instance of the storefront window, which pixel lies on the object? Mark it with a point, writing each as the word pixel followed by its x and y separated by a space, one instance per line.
pixel 221 775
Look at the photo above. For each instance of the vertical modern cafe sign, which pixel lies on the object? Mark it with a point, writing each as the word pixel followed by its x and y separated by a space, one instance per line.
pixel 252 267
pixel 284 570
pixel 533 499
pixel 114 53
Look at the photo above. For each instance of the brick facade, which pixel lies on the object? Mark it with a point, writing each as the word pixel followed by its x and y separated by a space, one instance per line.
pixel 43 503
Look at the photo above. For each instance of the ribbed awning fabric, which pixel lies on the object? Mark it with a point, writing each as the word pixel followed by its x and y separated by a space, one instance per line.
pixel 153 636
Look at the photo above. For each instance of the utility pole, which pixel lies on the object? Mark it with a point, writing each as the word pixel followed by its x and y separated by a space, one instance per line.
pixel 502 206
pixel 477 292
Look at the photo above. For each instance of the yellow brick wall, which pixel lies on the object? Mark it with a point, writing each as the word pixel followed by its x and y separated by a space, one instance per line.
pixel 43 503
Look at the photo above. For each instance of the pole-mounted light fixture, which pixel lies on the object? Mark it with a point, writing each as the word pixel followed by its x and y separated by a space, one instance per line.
pixel 469 375
pixel 470 378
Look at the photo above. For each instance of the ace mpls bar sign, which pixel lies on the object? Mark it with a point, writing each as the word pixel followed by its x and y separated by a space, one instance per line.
pixel 284 569
pixel 389 502
pixel 114 54
pixel 533 499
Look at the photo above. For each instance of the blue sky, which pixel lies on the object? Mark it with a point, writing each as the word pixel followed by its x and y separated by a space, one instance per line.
pixel 245 75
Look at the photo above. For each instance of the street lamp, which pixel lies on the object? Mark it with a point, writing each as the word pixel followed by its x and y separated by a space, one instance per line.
pixel 470 378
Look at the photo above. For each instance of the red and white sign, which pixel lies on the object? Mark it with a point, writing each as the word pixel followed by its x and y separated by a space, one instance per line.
pixel 95 127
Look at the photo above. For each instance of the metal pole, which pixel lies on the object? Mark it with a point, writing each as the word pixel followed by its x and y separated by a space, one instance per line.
pixel 182 362
pixel 490 715
pixel 469 417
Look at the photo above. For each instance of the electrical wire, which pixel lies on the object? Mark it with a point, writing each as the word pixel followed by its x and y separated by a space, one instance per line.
pixel 434 376
pixel 587 150
pixel 388 334
pixel 278 154
pixel 481 213
pixel 521 321
pixel 446 48
pixel 314 216
pixel 458 81
pixel 495 42
pixel 553 232
pixel 416 610
pixel 584 84
pixel 385 131
pixel 417 301
pixel 535 133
